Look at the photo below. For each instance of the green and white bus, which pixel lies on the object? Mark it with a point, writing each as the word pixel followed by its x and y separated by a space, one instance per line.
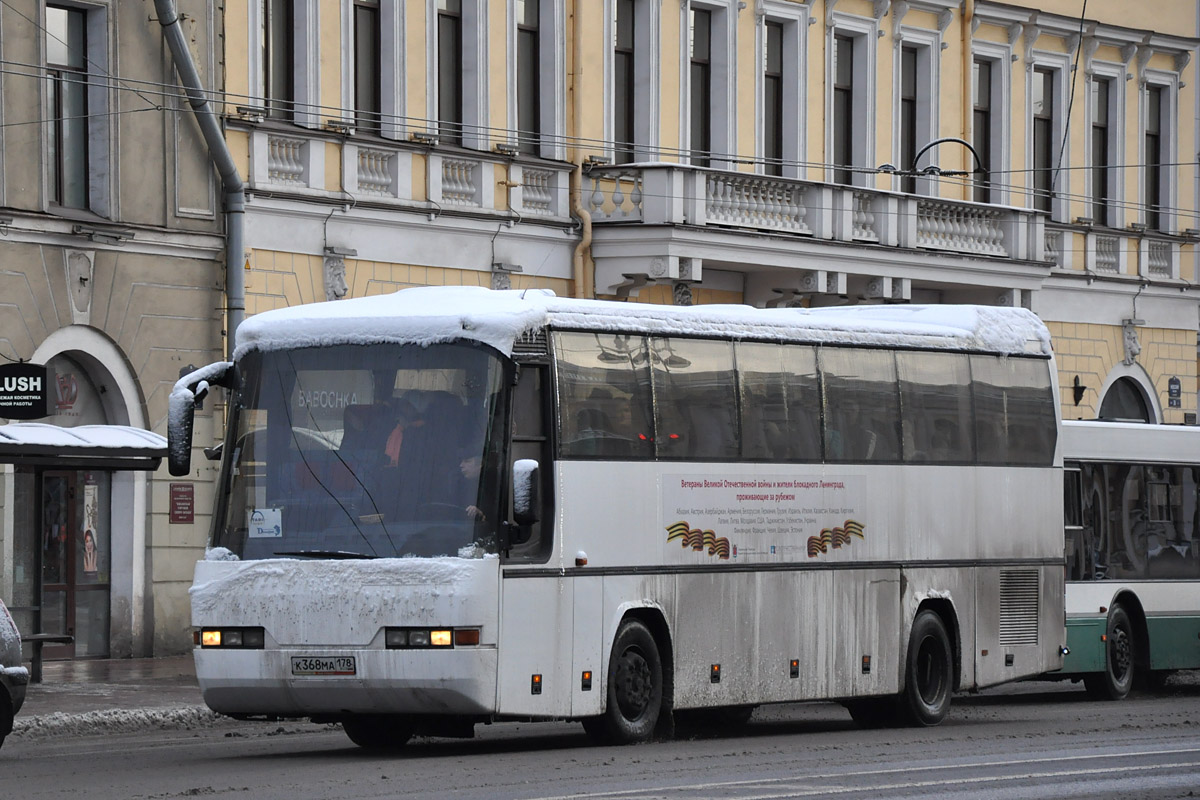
pixel 451 506
pixel 1133 553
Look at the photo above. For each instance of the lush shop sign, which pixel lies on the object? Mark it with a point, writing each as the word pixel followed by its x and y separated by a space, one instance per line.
pixel 24 391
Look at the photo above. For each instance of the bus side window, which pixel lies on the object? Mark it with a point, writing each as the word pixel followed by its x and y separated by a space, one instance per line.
pixel 531 439
pixel 695 398
pixel 604 396
pixel 1076 550
pixel 780 402
pixel 935 407
pixel 1014 403
pixel 861 403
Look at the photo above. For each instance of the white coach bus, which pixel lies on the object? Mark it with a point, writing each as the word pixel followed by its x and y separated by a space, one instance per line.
pixel 1133 553
pixel 449 506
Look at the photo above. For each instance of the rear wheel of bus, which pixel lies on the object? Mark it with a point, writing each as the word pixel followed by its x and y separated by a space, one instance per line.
pixel 378 731
pixel 634 686
pixel 1120 655
pixel 928 673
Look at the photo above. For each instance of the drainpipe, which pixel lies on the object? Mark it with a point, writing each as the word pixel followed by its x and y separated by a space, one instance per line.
pixel 577 209
pixel 968 67
pixel 231 181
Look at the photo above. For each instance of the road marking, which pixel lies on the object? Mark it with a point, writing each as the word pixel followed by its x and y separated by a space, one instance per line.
pixel 664 791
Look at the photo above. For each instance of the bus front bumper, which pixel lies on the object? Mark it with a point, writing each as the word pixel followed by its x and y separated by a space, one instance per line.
pixel 262 683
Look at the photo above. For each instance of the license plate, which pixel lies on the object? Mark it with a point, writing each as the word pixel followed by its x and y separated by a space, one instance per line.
pixel 323 665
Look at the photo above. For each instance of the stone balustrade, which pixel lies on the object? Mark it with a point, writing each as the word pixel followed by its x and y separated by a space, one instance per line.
pixel 671 193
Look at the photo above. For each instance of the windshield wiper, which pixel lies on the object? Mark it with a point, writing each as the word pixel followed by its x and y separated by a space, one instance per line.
pixel 323 554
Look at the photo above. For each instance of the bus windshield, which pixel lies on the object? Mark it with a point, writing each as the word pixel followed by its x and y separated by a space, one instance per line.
pixel 364 451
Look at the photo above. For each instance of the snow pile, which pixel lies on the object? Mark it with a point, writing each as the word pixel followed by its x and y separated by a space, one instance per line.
pixel 115 721
pixel 220 554
pixel 428 314
pixel 280 577
pixel 83 436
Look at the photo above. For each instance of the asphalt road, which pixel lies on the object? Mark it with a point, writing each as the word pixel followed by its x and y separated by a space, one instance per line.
pixel 1032 740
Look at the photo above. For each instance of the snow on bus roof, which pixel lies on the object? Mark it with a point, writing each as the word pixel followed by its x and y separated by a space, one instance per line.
pixel 429 314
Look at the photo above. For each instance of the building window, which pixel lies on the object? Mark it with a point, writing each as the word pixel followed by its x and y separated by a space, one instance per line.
pixel 450 70
pixel 773 100
pixel 67 76
pixel 700 50
pixel 843 108
pixel 1101 90
pixel 529 110
pixel 1155 183
pixel 1044 150
pixel 908 117
pixel 624 80
pixel 981 121
pixel 279 57
pixel 367 94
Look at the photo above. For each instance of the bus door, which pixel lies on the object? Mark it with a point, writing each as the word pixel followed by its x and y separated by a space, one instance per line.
pixel 537 617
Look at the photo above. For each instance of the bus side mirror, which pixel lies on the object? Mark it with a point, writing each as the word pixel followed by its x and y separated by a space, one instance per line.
pixel 526 495
pixel 181 409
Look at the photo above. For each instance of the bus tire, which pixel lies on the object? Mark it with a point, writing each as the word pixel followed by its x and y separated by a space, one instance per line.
pixel 928 672
pixel 634 686
pixel 378 731
pixel 1120 657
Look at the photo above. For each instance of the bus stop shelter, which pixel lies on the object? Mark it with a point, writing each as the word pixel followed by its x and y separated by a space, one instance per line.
pixel 68 562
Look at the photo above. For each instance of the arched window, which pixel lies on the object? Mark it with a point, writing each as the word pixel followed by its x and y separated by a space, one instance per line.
pixel 1126 402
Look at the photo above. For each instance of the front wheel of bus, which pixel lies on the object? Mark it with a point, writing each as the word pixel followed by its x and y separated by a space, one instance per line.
pixel 929 672
pixel 635 688
pixel 1116 680
pixel 378 731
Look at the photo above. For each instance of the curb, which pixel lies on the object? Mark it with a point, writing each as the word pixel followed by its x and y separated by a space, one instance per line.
pixel 116 720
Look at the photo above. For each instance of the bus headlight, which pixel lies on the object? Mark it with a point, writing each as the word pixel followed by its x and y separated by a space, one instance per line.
pixel 398 638
pixel 242 638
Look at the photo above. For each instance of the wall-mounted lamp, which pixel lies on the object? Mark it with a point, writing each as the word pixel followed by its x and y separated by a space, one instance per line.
pixel 1077 390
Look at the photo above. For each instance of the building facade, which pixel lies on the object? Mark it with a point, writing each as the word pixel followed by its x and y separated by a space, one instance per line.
pixel 768 152
pixel 111 254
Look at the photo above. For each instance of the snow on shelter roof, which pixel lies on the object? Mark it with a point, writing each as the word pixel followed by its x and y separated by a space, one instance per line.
pixel 425 315
pixel 118 446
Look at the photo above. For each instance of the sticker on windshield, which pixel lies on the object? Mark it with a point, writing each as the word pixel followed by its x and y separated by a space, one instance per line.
pixel 264 523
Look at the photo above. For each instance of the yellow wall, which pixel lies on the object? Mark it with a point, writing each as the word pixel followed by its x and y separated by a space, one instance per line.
pixel 1093 351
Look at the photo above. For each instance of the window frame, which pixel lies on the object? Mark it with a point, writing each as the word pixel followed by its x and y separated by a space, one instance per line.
pixel 925 46
pixel 472 67
pixel 390 66
pixel 794 18
pixel 721 118
pixel 996 159
pixel 549 82
pixel 1167 86
pixel 647 27
pixel 305 60
pixel 1058 67
pixel 369 119
pixel 98 153
pixel 861 112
